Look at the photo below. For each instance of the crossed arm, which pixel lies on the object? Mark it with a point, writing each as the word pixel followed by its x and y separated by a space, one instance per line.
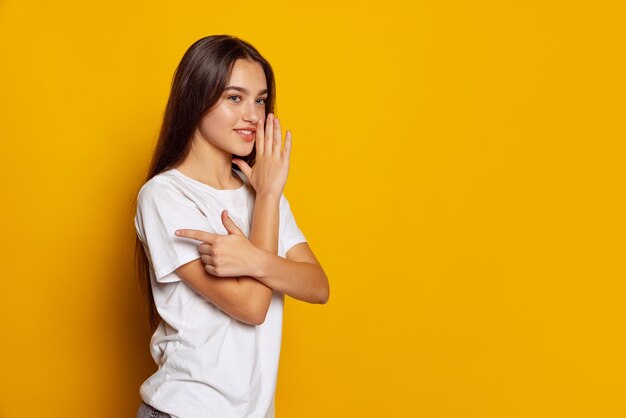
pixel 247 298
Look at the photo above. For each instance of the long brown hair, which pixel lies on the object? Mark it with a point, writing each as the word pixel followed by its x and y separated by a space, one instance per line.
pixel 198 84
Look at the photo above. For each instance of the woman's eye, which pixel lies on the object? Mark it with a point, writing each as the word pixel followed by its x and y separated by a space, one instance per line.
pixel 239 97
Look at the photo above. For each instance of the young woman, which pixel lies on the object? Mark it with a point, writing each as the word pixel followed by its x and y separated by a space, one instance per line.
pixel 217 244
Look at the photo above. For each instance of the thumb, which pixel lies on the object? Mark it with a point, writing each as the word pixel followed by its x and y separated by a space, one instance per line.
pixel 243 166
pixel 230 225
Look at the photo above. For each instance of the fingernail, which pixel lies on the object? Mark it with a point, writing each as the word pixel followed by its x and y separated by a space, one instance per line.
pixel 177 232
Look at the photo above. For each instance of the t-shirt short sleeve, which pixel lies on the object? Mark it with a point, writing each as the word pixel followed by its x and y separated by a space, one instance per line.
pixel 161 210
pixel 291 234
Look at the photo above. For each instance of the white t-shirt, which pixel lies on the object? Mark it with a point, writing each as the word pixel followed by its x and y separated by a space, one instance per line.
pixel 209 363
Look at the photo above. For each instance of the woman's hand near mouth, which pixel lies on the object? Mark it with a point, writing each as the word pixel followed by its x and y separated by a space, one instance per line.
pixel 268 176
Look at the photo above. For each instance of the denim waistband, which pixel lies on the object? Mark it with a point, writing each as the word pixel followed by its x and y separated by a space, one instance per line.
pixel 147 411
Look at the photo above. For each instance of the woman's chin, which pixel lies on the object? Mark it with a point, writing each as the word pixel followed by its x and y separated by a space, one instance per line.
pixel 249 149
pixel 243 152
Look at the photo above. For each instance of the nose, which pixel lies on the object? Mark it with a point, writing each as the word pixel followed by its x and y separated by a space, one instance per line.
pixel 251 113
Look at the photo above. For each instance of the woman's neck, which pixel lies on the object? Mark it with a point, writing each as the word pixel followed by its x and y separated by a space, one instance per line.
pixel 210 166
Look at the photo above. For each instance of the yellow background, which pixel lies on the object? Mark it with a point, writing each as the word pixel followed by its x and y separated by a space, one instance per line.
pixel 457 167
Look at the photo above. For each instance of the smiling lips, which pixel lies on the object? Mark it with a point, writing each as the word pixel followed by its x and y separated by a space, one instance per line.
pixel 247 134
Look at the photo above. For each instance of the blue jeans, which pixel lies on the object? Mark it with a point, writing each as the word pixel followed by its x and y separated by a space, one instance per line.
pixel 146 411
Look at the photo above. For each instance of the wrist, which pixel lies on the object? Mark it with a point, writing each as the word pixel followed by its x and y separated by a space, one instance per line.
pixel 268 195
pixel 261 263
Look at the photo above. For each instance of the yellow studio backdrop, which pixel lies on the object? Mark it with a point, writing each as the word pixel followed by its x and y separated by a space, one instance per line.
pixel 457 167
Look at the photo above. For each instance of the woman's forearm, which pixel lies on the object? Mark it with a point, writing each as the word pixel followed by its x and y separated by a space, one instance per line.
pixel 300 280
pixel 265 221
pixel 264 235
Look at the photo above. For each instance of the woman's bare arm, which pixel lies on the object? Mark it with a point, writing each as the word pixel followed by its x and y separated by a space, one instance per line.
pixel 299 275
pixel 243 298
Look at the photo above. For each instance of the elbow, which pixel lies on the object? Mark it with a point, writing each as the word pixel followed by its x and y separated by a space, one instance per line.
pixel 258 313
pixel 251 313
pixel 254 302
pixel 325 294
pixel 324 299
pixel 258 319
pixel 252 318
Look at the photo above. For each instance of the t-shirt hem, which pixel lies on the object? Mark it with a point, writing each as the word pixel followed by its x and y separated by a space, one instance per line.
pixel 294 241
pixel 154 401
pixel 170 267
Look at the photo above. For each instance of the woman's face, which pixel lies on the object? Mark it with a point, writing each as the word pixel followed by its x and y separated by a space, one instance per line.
pixel 240 107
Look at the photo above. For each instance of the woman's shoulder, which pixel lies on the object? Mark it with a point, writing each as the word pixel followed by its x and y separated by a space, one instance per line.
pixel 163 186
pixel 154 184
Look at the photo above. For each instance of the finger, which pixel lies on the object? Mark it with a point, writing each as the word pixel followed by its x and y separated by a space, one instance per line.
pixel 269 134
pixel 244 167
pixel 287 150
pixel 207 259
pixel 205 248
pixel 230 225
pixel 197 235
pixel 260 137
pixel 277 138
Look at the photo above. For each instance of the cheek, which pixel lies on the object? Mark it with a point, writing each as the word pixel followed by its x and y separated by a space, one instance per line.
pixel 214 123
pixel 207 128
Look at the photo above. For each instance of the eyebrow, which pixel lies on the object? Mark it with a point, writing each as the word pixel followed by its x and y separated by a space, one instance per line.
pixel 242 89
